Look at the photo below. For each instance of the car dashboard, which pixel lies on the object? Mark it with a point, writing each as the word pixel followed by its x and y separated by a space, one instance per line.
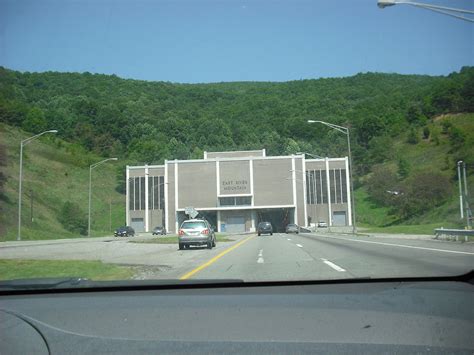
pixel 357 317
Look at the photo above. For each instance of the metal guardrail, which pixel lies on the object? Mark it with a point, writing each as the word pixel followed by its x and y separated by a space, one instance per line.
pixel 456 233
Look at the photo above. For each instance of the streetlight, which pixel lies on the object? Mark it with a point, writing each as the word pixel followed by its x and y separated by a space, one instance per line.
pixel 90 190
pixel 345 130
pixel 23 143
pixel 450 11
pixel 461 204
pixel 464 196
pixel 311 155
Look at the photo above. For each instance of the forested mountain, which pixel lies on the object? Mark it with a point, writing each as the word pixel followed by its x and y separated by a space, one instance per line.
pixel 152 121
pixel 406 131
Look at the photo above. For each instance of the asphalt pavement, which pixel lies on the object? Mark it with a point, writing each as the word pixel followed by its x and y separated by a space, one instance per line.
pixel 303 256
pixel 310 256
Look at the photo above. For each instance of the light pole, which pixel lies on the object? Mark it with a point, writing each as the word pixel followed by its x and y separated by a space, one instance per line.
pixel 461 204
pixel 90 191
pixel 345 130
pixel 450 11
pixel 311 155
pixel 22 144
pixel 466 200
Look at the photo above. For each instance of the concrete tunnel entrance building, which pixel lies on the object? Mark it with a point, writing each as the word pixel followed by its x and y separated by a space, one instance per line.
pixel 236 190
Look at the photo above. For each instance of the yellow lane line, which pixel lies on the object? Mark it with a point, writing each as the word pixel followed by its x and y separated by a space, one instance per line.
pixel 214 259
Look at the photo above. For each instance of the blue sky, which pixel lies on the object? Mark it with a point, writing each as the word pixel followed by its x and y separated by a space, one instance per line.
pixel 193 41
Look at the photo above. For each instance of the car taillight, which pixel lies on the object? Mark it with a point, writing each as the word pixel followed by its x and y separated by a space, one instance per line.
pixel 205 231
pixel 181 232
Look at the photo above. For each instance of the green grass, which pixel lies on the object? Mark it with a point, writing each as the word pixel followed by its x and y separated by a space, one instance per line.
pixel 368 213
pixel 375 219
pixel 94 270
pixel 174 239
pixel 56 172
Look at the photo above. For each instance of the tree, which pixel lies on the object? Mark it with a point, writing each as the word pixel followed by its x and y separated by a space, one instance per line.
pixel 35 121
pixel 149 151
pixel 426 132
pixel 73 218
pixel 467 90
pixel 177 149
pixel 368 127
pixel 456 137
pixel 382 185
pixel 422 192
pixel 378 152
pixel 413 137
pixel 3 180
pixel 197 153
pixel 120 177
pixel 403 168
pixel 415 115
pixel 447 97
pixel 291 147
pixel 446 125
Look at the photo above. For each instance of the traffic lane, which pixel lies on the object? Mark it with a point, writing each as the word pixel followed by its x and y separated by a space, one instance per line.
pixel 381 260
pixel 425 243
pixel 269 258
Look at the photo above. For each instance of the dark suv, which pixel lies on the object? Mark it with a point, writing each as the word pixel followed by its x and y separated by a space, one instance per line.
pixel 125 231
pixel 265 228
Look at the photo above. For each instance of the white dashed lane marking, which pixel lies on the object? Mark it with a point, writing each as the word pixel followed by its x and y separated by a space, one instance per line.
pixel 260 257
pixel 299 245
pixel 334 266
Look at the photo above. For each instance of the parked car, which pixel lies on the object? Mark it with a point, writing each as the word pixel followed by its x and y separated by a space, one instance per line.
pixel 292 228
pixel 264 228
pixel 159 230
pixel 196 232
pixel 125 231
pixel 322 224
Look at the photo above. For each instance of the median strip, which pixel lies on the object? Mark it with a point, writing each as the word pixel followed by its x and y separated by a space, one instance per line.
pixel 214 259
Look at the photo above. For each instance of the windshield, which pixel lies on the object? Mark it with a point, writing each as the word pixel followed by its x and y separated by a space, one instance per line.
pixel 302 140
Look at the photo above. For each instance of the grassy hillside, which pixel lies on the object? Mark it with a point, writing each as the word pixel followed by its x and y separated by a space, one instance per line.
pixel 433 154
pixel 56 172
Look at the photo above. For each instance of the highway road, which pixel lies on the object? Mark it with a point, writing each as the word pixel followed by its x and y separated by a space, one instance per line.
pixel 309 256
pixel 251 258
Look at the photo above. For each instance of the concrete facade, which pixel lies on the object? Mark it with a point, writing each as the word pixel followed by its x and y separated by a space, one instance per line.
pixel 235 191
